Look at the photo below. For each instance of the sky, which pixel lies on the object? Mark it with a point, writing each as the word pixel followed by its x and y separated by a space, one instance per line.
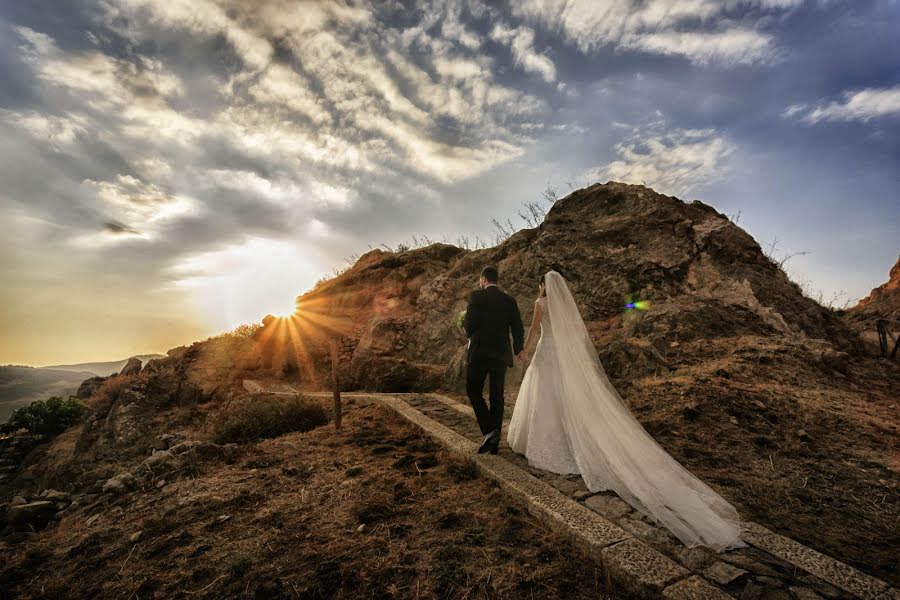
pixel 170 169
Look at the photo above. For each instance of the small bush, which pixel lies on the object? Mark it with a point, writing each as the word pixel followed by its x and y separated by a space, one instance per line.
pixel 110 390
pixel 239 566
pixel 241 332
pixel 269 417
pixel 46 417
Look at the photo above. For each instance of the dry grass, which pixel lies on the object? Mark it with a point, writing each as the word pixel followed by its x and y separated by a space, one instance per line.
pixel 283 522
pixel 110 391
pixel 268 416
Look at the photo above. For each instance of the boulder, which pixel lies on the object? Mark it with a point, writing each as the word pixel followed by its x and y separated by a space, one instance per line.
pixel 120 484
pixel 55 496
pixel 167 440
pixel 89 387
pixel 159 458
pixel 32 513
pixel 185 446
pixel 132 367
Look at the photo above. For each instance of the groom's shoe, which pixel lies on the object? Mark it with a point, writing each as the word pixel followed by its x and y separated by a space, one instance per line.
pixel 491 443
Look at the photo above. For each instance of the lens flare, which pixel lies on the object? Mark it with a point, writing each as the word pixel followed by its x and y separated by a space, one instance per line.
pixel 637 305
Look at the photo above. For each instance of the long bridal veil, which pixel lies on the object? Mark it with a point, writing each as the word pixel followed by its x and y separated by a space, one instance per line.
pixel 611 447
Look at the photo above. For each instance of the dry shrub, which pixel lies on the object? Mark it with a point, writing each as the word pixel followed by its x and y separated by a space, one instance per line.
pixel 110 391
pixel 268 417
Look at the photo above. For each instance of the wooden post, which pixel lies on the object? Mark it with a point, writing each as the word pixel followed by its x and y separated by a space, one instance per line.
pixel 336 385
pixel 884 335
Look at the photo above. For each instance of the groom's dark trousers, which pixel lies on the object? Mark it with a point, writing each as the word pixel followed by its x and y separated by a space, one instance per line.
pixel 491 317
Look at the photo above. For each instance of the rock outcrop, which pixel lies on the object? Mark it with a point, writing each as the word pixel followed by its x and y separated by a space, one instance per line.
pixel 885 299
pixel 394 315
pixel 132 367
pixel 882 303
pixel 89 387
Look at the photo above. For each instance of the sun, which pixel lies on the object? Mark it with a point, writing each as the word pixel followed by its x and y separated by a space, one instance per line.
pixel 288 311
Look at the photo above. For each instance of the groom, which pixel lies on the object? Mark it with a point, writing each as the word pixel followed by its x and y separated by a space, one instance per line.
pixel 490 318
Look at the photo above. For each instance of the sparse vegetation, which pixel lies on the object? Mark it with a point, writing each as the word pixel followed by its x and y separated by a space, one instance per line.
pixel 531 214
pixel 781 261
pixel 839 300
pixel 110 391
pixel 46 417
pixel 244 331
pixel 268 417
pixel 240 565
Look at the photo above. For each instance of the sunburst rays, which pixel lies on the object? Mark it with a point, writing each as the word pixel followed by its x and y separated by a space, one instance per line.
pixel 304 335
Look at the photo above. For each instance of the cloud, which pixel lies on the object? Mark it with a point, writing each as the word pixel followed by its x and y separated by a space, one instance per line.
pixel 793 109
pixel 201 17
pixel 731 46
pixel 673 162
pixel 701 30
pixel 128 200
pixel 861 105
pixel 114 227
pixel 521 42
pixel 58 132
pixel 138 134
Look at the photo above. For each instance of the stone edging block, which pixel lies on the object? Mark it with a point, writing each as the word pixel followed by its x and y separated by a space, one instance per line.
pixel 824 567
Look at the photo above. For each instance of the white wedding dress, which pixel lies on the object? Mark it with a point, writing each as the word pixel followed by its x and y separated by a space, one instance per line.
pixel 568 419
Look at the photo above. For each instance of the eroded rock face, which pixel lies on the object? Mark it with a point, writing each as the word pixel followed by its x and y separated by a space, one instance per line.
pixel 394 315
pixel 89 387
pixel 886 296
pixel 882 303
pixel 132 367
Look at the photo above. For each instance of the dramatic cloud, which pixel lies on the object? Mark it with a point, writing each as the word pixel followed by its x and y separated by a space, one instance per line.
pixel 861 105
pixel 703 31
pixel 676 162
pixel 521 42
pixel 155 153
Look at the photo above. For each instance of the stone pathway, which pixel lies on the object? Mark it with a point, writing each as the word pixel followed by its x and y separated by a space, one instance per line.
pixel 772 567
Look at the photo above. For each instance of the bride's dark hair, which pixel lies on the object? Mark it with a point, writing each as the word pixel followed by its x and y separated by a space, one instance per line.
pixel 554 267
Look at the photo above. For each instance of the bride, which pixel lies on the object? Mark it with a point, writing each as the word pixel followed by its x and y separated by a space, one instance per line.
pixel 569 419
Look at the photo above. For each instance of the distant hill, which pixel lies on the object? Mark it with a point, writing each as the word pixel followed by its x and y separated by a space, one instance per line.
pixel 102 369
pixel 20 386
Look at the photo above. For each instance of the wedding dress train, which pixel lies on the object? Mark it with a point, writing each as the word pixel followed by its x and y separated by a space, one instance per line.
pixel 568 419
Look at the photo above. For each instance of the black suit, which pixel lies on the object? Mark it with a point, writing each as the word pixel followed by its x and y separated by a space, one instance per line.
pixel 490 318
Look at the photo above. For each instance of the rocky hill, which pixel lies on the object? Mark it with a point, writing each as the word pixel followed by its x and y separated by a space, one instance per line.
pixel 763 393
pixel 102 369
pixel 882 303
pixel 885 299
pixel 731 367
pixel 705 278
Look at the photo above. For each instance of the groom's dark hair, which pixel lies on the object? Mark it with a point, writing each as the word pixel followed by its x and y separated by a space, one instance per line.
pixel 491 274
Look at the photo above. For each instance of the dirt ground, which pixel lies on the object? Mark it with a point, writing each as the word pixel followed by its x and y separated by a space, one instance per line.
pixel 372 511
